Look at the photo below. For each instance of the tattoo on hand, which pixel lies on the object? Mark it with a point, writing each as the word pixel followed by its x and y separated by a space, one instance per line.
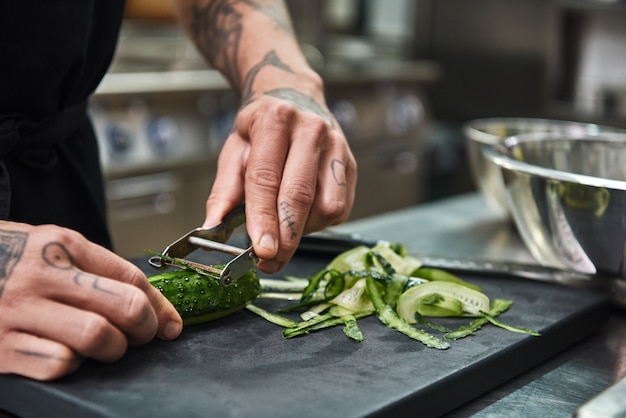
pixel 271 58
pixel 46 356
pixel 217 27
pixel 56 255
pixel 12 245
pixel 301 101
pixel 339 172
pixel 288 219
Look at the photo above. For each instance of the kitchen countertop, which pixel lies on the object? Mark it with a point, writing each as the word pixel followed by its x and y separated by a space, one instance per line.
pixel 462 226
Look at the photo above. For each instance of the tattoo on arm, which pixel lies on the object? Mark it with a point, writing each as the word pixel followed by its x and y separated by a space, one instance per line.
pixel 12 245
pixel 288 219
pixel 301 101
pixel 271 58
pixel 56 255
pixel 217 28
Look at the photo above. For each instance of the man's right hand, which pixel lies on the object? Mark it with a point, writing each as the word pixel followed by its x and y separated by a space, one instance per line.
pixel 63 299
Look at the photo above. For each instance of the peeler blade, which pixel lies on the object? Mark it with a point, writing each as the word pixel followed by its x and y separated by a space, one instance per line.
pixel 219 233
pixel 213 238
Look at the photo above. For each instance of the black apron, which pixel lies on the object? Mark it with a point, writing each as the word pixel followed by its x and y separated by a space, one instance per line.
pixel 53 54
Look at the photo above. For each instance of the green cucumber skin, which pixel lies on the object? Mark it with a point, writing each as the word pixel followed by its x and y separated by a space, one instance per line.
pixel 199 298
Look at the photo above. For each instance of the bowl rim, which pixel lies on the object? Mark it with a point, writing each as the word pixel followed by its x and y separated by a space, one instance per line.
pixel 494 153
pixel 474 129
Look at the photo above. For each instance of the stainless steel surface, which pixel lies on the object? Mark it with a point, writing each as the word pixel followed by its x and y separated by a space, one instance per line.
pixel 490 131
pixel 220 233
pixel 328 242
pixel 567 194
pixel 611 403
pixel 465 226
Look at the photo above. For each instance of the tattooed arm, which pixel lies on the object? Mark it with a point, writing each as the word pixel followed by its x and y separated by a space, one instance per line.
pixel 63 299
pixel 286 156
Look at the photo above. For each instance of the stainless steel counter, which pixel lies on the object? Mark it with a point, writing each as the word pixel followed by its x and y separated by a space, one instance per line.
pixel 464 226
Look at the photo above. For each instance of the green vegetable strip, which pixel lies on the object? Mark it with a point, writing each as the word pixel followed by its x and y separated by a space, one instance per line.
pixel 315 284
pixel 498 306
pixel 268 285
pixel 433 274
pixel 390 318
pixel 384 264
pixel 335 286
pixel 430 324
pixel 304 326
pixel 395 288
pixel 319 322
pixel 508 327
pixel 271 317
pixel 352 329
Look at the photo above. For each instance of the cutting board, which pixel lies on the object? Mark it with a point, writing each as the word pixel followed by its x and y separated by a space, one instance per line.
pixel 240 366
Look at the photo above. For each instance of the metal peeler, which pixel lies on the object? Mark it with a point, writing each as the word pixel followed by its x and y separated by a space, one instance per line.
pixel 212 238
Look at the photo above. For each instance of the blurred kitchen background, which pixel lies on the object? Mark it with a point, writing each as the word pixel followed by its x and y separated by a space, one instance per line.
pixel 402 78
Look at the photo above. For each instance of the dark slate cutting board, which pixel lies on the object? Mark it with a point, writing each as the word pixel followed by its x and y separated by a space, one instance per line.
pixel 240 366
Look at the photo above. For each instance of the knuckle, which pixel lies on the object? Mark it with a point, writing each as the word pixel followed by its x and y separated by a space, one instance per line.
pixel 60 235
pixel 334 210
pixel 300 193
pixel 264 175
pixel 93 334
pixel 136 309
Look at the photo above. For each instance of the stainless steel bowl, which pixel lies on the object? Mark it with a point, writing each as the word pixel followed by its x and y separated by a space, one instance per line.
pixel 489 131
pixel 567 196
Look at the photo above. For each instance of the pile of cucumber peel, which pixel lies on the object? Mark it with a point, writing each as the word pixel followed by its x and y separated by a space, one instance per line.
pixel 386 282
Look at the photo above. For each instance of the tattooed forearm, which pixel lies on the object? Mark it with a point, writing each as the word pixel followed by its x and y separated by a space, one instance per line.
pixel 302 102
pixel 11 249
pixel 272 59
pixel 287 219
pixel 217 27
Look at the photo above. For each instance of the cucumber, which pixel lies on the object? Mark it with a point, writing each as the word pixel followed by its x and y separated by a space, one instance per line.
pixel 200 298
pixel 472 301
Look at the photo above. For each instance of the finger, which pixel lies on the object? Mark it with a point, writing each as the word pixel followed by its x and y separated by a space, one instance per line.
pixel 121 304
pixel 36 358
pixel 264 173
pixel 228 187
pixel 68 250
pixel 299 184
pixel 335 191
pixel 86 333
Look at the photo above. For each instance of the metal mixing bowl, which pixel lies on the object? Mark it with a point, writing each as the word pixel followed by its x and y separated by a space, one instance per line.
pixel 567 196
pixel 489 131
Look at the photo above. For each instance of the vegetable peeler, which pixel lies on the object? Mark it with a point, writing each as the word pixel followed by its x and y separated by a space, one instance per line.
pixel 212 238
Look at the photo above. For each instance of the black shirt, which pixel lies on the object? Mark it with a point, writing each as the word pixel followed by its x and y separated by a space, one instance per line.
pixel 54 54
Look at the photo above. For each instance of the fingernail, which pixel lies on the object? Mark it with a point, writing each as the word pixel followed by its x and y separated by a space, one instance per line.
pixel 172 330
pixel 267 242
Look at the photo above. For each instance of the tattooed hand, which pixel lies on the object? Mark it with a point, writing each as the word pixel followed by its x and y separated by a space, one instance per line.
pixel 294 170
pixel 63 299
pixel 286 156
